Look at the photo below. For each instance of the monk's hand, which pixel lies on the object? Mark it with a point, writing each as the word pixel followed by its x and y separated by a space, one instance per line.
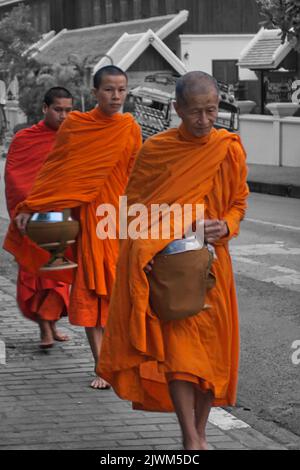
pixel 214 230
pixel 21 221
pixel 148 267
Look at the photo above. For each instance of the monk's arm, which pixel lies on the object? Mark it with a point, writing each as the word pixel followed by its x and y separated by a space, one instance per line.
pixel 238 206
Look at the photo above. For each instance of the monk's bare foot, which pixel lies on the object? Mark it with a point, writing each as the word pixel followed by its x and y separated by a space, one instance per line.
pixel 60 337
pixel 195 444
pixel 99 383
pixel 203 444
pixel 46 343
pixel 191 445
pixel 47 340
pixel 57 335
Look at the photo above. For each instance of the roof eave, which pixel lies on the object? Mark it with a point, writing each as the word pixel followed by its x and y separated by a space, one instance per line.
pixel 10 2
pixel 106 60
pixel 53 38
pixel 137 50
pixel 173 24
pixel 151 38
pixel 257 67
pixel 281 53
pixel 168 55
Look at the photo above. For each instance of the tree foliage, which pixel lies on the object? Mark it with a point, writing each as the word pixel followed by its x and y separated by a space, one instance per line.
pixel 285 15
pixel 35 83
pixel 17 35
pixel 17 39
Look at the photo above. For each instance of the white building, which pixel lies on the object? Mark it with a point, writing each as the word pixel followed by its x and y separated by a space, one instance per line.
pixel 216 54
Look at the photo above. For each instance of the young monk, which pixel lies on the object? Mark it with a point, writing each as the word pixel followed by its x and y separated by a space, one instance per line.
pixel 40 299
pixel 88 166
pixel 191 364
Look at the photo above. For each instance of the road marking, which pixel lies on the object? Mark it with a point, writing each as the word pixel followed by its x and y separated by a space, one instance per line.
pixel 242 259
pixel 262 271
pixel 282 269
pixel 285 281
pixel 226 421
pixel 264 222
pixel 2 353
pixel 263 249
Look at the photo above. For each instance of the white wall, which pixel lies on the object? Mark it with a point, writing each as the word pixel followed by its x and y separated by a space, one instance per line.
pixel 291 141
pixel 269 140
pixel 203 49
pixel 257 135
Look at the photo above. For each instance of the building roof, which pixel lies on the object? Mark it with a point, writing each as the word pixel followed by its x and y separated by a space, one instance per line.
pixel 130 47
pixel 94 42
pixel 9 2
pixel 121 48
pixel 265 51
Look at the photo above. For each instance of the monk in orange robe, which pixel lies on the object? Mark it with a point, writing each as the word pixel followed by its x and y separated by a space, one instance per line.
pixel 88 167
pixel 191 364
pixel 40 299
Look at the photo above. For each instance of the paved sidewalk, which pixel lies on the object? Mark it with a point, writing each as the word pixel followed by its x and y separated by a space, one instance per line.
pixel 45 401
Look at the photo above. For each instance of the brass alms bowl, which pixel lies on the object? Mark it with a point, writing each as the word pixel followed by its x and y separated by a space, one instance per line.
pixel 54 231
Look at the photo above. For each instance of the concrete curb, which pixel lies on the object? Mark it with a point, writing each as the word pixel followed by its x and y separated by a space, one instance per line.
pixel 275 189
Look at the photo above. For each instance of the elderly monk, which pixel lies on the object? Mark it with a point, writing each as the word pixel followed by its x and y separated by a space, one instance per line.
pixel 40 299
pixel 88 167
pixel 191 364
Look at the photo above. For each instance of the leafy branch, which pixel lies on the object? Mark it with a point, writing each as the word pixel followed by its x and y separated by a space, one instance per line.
pixel 284 15
pixel 17 37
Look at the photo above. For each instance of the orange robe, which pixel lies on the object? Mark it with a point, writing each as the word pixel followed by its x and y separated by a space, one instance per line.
pixel 88 166
pixel 140 353
pixel 37 297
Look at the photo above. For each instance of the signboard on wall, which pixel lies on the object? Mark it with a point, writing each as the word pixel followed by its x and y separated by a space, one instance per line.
pixel 296 92
pixel 278 86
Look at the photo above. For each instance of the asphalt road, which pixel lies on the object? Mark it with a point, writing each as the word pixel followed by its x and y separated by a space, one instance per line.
pixel 266 258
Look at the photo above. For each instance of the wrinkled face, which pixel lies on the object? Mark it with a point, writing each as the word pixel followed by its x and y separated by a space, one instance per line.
pixel 57 112
pixel 199 112
pixel 111 93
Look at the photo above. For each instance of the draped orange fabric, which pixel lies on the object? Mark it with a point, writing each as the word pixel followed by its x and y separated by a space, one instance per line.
pixel 139 353
pixel 26 155
pixel 88 166
pixel 37 297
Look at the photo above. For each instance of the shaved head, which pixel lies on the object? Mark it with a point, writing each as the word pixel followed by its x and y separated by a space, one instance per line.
pixel 108 70
pixel 195 83
pixel 197 102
